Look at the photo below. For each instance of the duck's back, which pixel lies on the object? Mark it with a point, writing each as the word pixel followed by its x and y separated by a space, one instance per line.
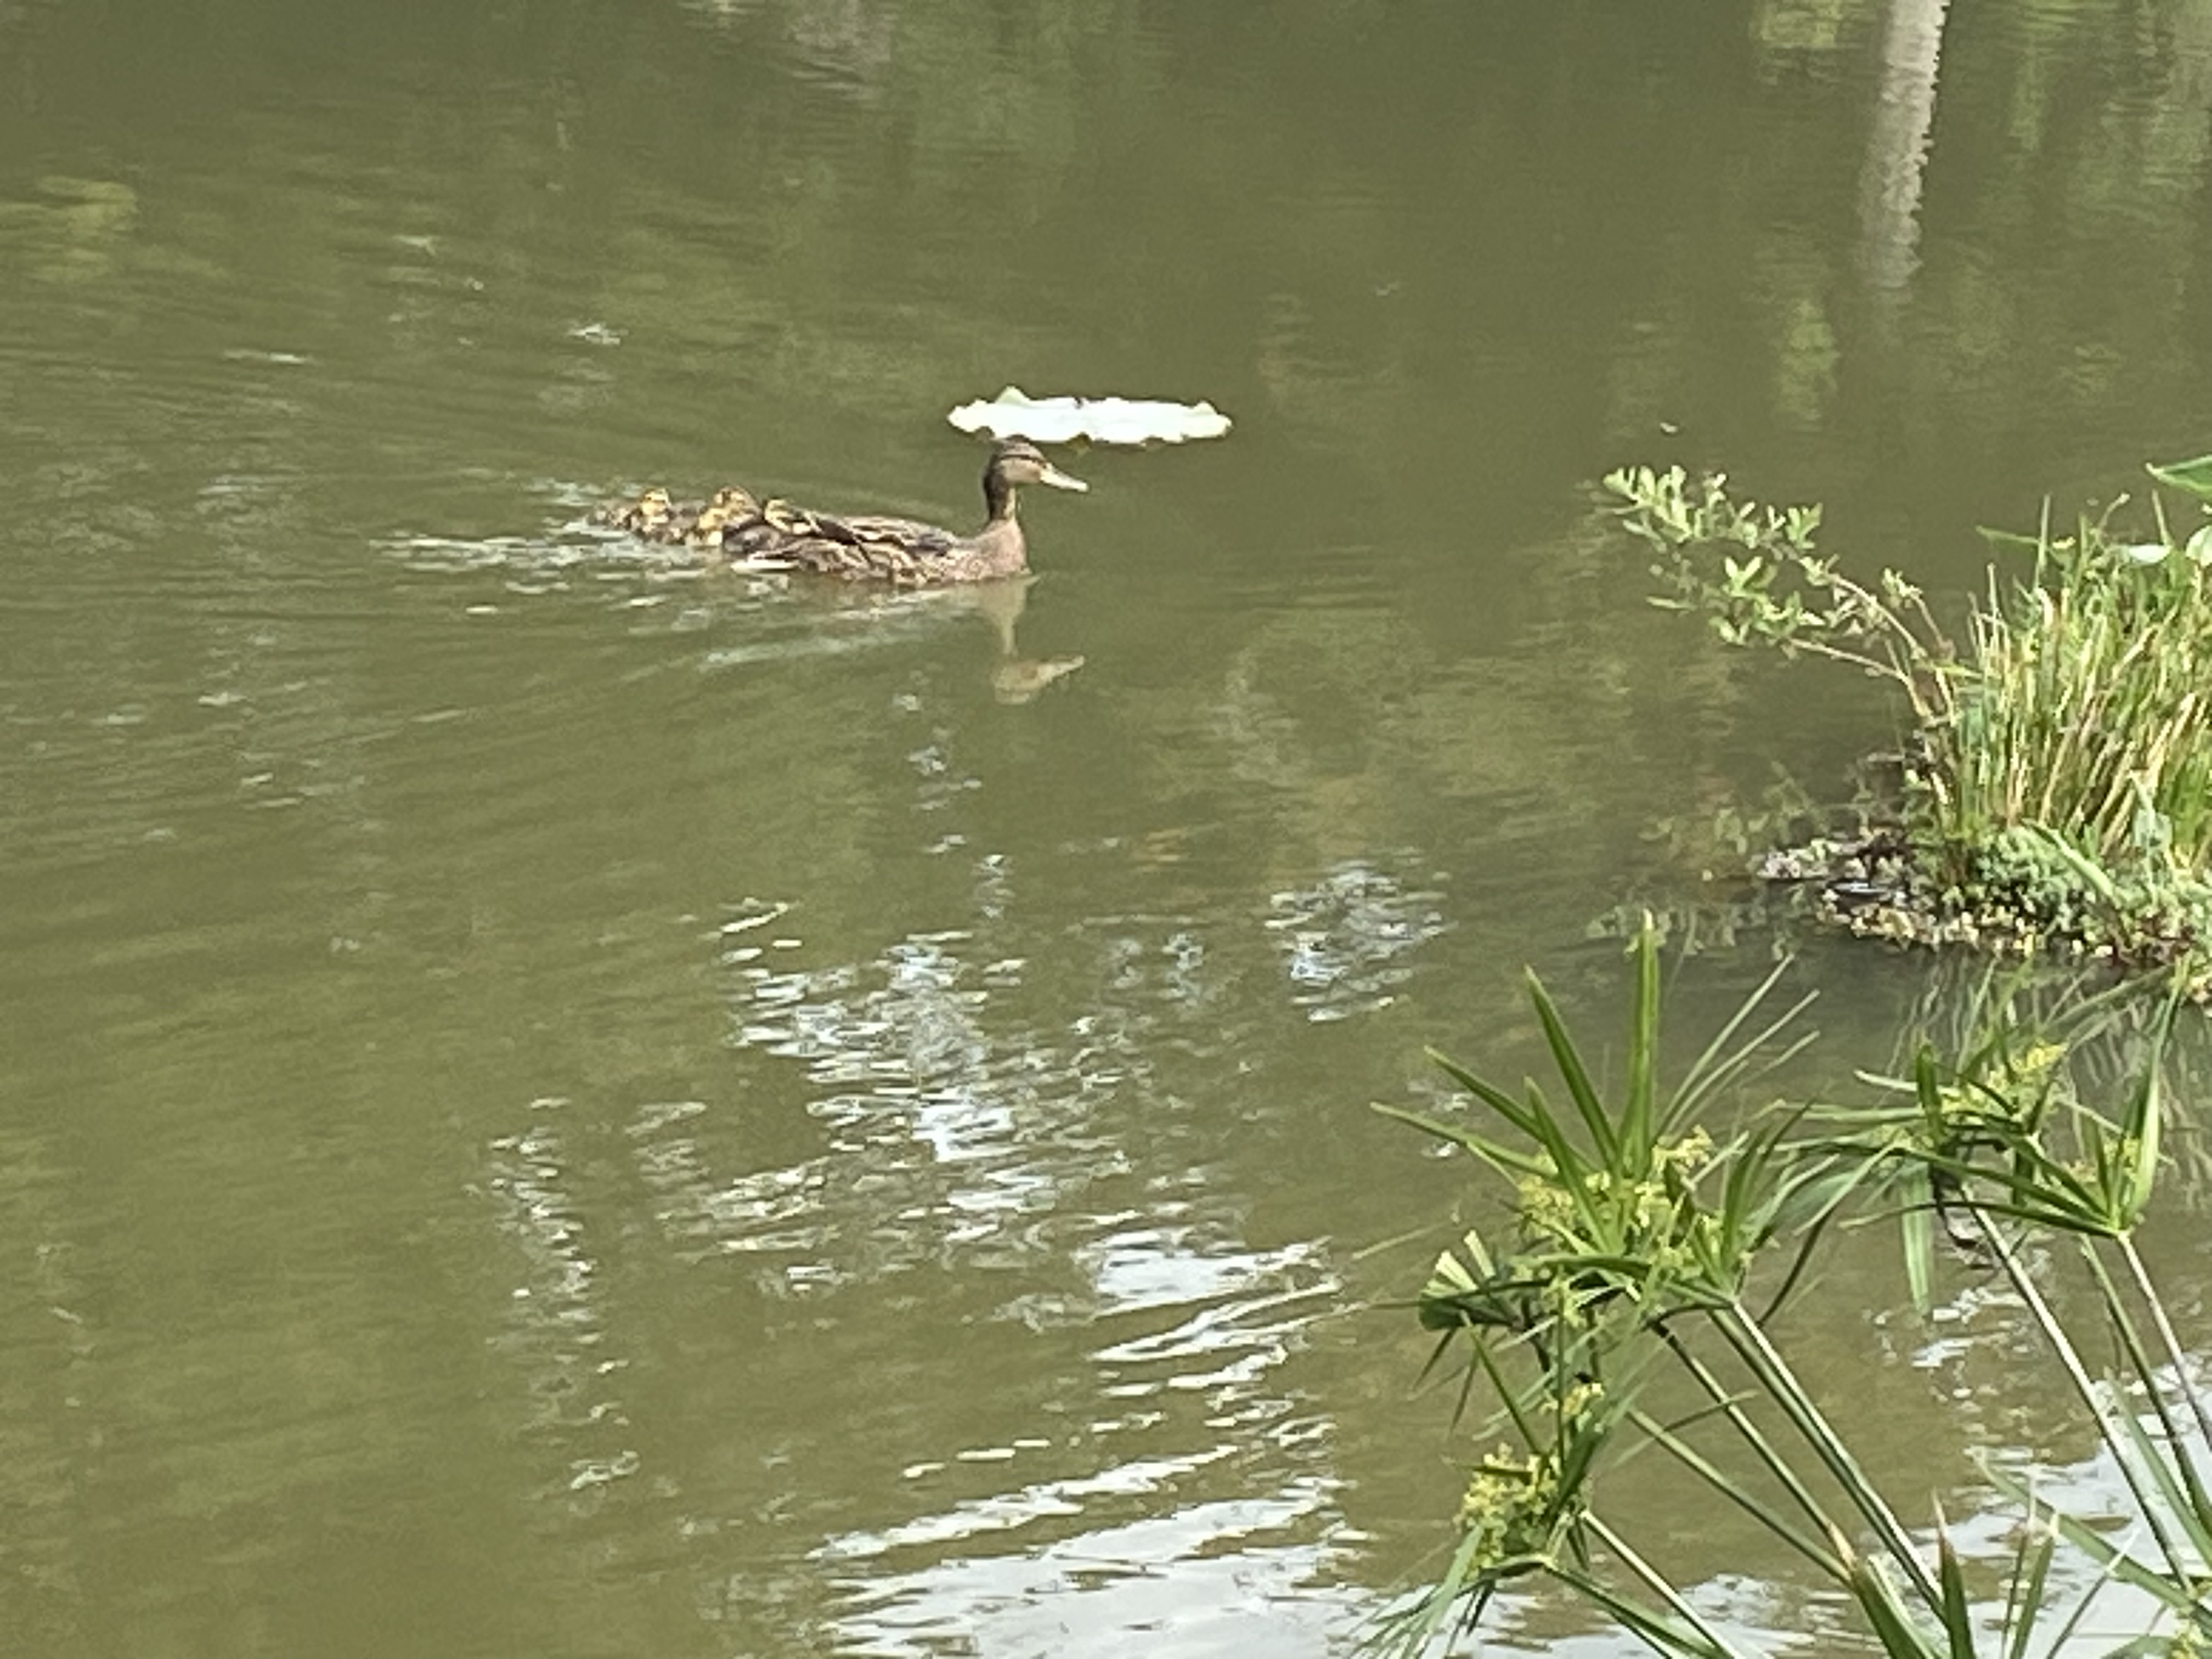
pixel 866 547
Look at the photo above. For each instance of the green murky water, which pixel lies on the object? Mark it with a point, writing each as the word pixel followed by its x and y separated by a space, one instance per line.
pixel 547 1107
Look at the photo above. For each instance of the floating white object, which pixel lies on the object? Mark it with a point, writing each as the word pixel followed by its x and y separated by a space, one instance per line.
pixel 1014 414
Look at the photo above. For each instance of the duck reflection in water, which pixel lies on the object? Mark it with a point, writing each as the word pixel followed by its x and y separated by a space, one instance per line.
pixel 1016 679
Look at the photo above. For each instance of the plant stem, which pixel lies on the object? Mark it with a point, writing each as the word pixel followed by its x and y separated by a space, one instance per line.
pixel 2165 1335
pixel 2085 1388
pixel 1781 1383
pixel 1656 1583
pixel 1765 1514
pixel 1721 1396
pixel 2178 1458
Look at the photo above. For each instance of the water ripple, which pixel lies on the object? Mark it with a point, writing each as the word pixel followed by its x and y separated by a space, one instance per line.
pixel 1344 939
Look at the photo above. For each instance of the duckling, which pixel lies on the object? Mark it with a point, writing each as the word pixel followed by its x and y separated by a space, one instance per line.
pixel 640 516
pixel 729 509
pixel 649 516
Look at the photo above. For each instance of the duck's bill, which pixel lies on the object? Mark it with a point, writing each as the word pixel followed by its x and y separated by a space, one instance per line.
pixel 1059 480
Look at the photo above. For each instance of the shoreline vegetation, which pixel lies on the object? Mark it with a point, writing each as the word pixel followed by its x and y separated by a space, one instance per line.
pixel 2051 793
pixel 1636 1244
pixel 2049 796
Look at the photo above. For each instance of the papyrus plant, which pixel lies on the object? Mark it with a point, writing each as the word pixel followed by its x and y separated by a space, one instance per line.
pixel 1634 1237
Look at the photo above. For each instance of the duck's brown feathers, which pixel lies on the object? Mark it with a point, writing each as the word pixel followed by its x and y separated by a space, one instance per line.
pixel 856 547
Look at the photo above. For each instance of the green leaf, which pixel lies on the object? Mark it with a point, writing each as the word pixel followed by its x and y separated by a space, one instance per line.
pixel 1637 1126
pixel 2177 1595
pixel 1918 1222
pixel 2194 476
pixel 1577 1076
pixel 1958 1607
pixel 1502 1159
pixel 2141 1128
pixel 2025 1595
pixel 1534 1118
pixel 1657 1632
pixel 1885 1609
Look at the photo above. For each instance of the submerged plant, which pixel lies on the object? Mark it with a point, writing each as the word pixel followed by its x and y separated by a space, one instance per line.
pixel 1632 1243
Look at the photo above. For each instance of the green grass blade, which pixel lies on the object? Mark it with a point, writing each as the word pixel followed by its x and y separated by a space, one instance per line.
pixel 1436 1357
pixel 2199 1409
pixel 1725 1060
pixel 1410 1634
pixel 1506 1160
pixel 2175 1459
pixel 1533 1117
pixel 2165 1463
pixel 2175 1592
pixel 1687 1632
pixel 1775 1521
pixel 1917 1223
pixel 2028 1586
pixel 1785 1474
pixel 1638 1124
pixel 1821 1438
pixel 1886 1616
pixel 1603 1140
pixel 1657 1631
pixel 2084 1390
pixel 1513 1111
pixel 1958 1608
pixel 2139 1126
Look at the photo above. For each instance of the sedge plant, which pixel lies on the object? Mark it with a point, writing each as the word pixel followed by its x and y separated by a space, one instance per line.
pixel 1635 1241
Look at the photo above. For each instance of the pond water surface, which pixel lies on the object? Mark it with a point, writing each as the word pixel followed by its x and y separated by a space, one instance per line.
pixel 550 1104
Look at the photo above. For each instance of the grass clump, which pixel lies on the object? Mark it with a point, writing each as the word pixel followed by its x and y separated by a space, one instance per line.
pixel 2056 771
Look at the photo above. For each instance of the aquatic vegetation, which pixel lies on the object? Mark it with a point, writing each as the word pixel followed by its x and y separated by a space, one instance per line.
pixel 2055 779
pixel 1636 1244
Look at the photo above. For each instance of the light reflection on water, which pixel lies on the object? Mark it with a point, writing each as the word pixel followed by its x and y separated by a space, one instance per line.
pixel 556 1333
pixel 1201 1578
pixel 1343 940
pixel 954 1142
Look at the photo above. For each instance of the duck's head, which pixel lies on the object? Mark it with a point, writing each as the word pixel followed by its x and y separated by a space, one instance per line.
pixel 736 502
pixel 1018 461
pixel 1015 462
pixel 1018 680
pixel 653 506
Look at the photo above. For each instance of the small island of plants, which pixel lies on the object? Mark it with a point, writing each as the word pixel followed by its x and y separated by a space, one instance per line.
pixel 2053 786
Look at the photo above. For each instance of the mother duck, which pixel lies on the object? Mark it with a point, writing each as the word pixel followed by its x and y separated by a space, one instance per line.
pixel 862 547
